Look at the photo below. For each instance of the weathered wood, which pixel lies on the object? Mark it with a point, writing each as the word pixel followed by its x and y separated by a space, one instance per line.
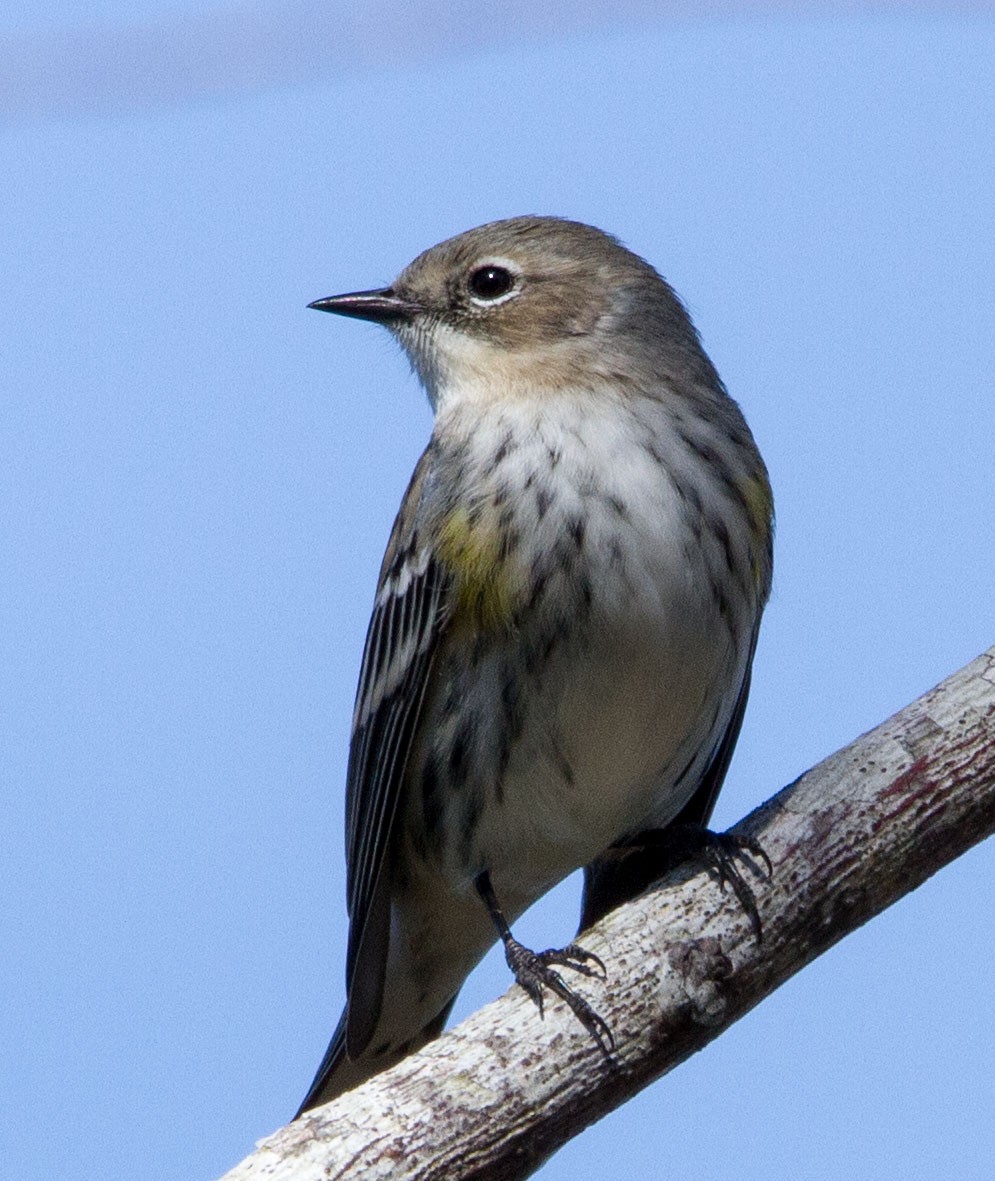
pixel 493 1098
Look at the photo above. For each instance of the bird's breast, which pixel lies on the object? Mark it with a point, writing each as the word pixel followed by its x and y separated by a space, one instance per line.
pixel 587 659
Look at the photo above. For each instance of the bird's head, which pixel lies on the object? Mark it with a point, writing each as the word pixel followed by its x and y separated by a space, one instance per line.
pixel 530 303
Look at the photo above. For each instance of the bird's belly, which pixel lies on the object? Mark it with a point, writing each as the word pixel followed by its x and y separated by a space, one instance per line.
pixel 600 764
pixel 599 733
pixel 608 728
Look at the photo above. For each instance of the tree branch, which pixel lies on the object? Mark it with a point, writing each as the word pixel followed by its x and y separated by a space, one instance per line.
pixel 497 1095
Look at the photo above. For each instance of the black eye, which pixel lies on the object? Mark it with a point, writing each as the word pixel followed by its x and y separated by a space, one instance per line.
pixel 491 282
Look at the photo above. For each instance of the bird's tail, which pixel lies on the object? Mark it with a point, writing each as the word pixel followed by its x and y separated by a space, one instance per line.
pixel 339 1073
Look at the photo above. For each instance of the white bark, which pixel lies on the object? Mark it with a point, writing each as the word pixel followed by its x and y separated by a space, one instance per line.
pixel 495 1096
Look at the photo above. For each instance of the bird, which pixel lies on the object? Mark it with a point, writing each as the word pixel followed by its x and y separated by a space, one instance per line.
pixel 563 629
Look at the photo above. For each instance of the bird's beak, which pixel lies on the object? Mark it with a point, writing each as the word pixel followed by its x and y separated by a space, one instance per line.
pixel 382 306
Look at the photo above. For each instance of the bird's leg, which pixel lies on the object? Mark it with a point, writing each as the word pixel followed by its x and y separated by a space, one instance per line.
pixel 535 971
pixel 718 851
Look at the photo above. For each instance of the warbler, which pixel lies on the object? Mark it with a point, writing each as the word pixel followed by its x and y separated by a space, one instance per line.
pixel 559 655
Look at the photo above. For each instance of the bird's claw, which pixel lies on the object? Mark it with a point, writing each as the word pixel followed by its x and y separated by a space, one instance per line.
pixel 720 852
pixel 535 971
pixel 575 957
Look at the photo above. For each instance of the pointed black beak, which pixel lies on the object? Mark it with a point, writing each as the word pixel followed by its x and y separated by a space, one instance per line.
pixel 383 306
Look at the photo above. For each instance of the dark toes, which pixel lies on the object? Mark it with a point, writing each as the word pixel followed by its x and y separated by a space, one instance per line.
pixel 721 853
pixel 748 849
pixel 535 972
pixel 577 958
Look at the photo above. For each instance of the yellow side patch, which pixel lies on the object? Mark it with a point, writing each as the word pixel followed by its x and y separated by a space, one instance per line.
pixel 759 501
pixel 471 551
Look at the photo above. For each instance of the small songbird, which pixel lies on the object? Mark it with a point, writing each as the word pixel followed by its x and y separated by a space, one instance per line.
pixel 559 656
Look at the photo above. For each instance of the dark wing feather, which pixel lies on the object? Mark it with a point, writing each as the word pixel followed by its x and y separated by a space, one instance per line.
pixel 408 617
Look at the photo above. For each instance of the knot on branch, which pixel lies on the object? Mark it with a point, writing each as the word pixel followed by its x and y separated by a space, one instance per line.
pixel 702 968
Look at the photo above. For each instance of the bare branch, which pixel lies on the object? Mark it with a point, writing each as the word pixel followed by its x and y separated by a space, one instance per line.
pixel 493 1098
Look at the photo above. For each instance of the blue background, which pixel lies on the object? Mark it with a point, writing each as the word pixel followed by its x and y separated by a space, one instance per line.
pixel 198 476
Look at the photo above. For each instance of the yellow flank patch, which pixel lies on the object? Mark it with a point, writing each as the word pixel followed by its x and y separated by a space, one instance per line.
pixel 471 551
pixel 759 501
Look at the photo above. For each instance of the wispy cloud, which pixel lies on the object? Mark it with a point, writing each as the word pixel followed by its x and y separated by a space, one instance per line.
pixel 241 48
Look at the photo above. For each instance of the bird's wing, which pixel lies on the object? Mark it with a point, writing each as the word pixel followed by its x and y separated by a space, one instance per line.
pixel 408 618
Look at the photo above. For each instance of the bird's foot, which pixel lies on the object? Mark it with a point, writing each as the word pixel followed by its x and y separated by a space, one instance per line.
pixel 720 853
pixel 536 971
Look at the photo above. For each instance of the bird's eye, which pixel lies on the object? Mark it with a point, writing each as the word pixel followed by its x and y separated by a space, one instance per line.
pixel 491 282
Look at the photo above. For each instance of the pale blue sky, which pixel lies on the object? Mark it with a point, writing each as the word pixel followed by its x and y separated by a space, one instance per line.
pixel 198 477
